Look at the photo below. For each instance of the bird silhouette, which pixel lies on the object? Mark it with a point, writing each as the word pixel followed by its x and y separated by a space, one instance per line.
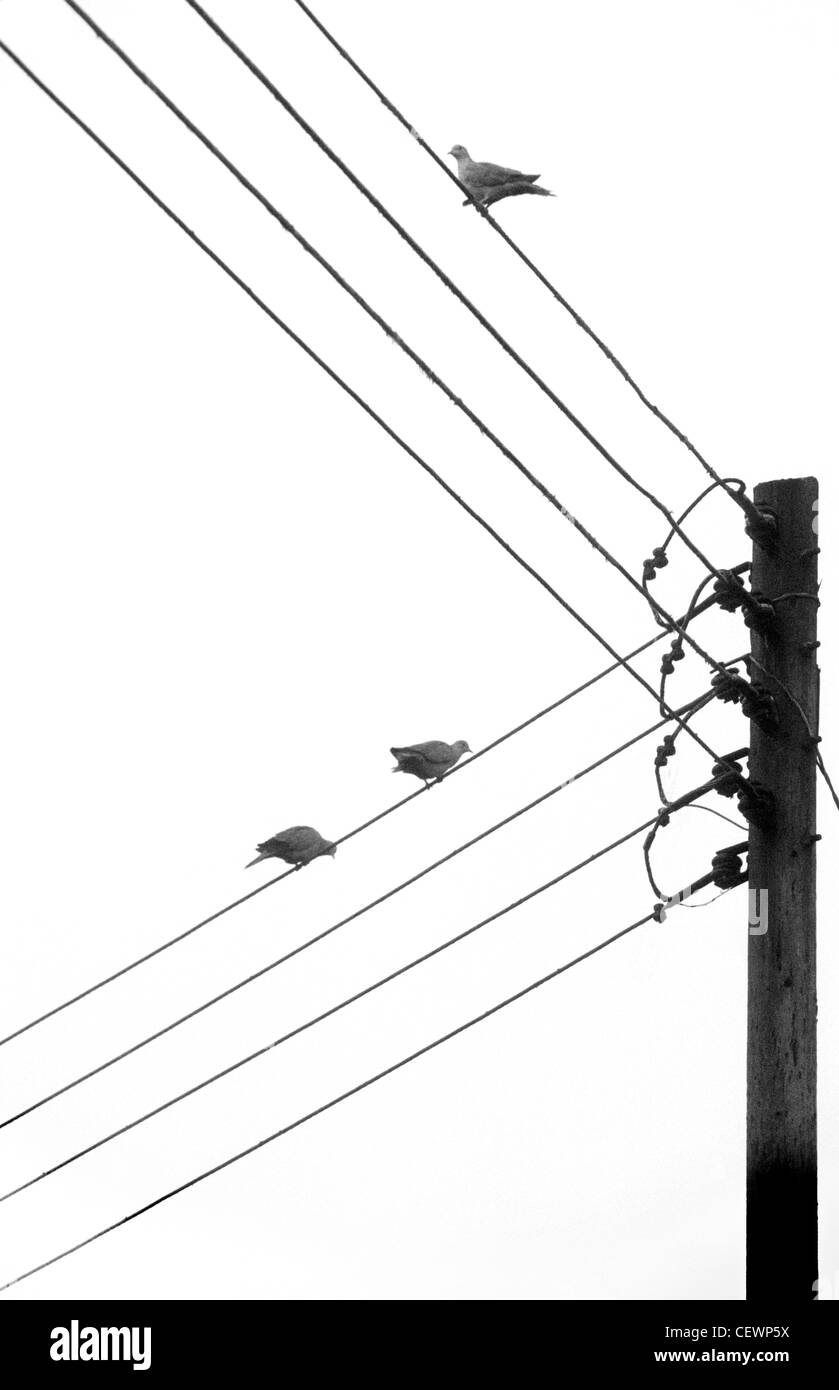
pixel 298 845
pixel 487 183
pixel 429 761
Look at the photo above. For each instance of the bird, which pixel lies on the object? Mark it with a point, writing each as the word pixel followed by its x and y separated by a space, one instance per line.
pixel 298 845
pixel 429 761
pixel 489 182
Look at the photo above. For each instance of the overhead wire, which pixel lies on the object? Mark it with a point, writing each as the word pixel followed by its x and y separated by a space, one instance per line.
pixel 342 839
pixel 328 1105
pixel 334 375
pixel 391 333
pixel 664 818
pixel 741 501
pixel 380 983
pixel 454 289
pixel 344 921
pixel 659 555
pixel 349 835
pixel 327 1013
pixel 360 401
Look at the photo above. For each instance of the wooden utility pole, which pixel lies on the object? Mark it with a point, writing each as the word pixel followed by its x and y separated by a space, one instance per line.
pixel 781 1214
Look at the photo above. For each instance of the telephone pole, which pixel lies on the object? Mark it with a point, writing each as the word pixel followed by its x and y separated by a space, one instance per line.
pixel 781 1210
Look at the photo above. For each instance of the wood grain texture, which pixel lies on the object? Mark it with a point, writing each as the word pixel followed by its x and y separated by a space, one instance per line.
pixel 781 1196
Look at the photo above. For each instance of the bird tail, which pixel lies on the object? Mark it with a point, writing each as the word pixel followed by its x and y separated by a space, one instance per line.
pixel 512 190
pixel 257 860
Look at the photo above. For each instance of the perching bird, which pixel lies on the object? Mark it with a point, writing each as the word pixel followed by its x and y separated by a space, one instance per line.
pixel 489 182
pixel 429 761
pixel 297 845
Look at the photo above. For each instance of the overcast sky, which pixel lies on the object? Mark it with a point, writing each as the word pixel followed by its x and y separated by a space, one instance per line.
pixel 228 593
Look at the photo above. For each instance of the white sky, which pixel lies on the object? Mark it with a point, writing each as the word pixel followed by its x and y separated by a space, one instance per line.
pixel 228 594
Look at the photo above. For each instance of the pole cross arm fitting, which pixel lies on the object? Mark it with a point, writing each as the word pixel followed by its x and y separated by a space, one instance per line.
pixel 760 706
pixel 731 593
pixel 662 820
pixel 728 773
pixel 727 865
pixel 762 524
pixel 756 701
pixel 687 798
pixel 726 872
pixel 729 686
pixel 760 615
pixel 756 804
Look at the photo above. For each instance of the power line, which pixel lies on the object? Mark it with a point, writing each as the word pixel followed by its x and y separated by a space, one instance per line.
pixel 327 1013
pixel 366 1083
pixel 619 660
pixel 368 409
pixel 339 381
pixel 659 556
pixel 350 834
pixel 743 502
pixel 381 815
pixel 354 395
pixel 454 289
pixel 400 342
pixel 664 818
pixel 353 916
pixel 328 1105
